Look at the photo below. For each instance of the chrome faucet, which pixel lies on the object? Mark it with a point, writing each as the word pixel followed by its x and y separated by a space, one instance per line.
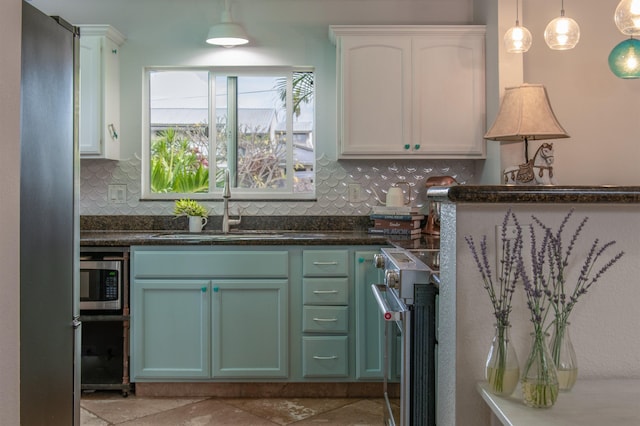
pixel 226 195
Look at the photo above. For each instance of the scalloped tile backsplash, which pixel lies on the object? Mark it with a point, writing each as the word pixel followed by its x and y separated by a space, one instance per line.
pixel 332 183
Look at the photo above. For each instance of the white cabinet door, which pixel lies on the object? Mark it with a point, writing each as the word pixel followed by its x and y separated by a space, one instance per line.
pixel 410 91
pixel 376 95
pixel 90 95
pixel 449 94
pixel 99 111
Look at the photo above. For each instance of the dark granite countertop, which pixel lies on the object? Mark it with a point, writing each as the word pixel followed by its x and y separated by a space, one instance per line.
pixel 125 231
pixel 538 194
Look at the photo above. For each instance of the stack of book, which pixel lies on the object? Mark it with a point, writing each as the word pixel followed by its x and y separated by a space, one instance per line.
pixel 397 221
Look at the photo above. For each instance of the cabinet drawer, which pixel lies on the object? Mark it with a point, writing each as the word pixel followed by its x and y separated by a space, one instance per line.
pixel 324 356
pixel 325 263
pixel 210 264
pixel 325 291
pixel 325 319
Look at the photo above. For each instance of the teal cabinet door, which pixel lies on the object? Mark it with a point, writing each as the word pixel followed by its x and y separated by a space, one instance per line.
pixel 250 328
pixel 171 329
pixel 369 321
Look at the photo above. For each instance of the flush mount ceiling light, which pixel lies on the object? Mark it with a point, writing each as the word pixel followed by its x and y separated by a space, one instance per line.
pixel 517 39
pixel 562 33
pixel 624 59
pixel 227 33
pixel 627 17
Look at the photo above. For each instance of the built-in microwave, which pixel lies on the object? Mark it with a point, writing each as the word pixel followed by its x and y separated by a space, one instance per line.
pixel 100 285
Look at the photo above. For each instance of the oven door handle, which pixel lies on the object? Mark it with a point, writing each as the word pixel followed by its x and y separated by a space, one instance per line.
pixel 387 313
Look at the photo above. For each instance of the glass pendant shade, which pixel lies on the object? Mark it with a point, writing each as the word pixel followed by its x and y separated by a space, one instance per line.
pixel 624 59
pixel 562 33
pixel 517 39
pixel 627 17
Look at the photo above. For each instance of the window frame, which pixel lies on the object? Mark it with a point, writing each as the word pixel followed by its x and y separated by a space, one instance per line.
pixel 214 193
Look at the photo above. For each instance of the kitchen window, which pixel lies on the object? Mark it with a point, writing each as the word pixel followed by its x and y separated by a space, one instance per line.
pixel 256 122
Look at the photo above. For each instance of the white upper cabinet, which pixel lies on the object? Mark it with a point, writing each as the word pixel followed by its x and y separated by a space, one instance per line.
pixel 99 110
pixel 410 91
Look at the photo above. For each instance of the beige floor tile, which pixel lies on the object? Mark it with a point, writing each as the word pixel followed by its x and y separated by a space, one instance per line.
pixel 204 413
pixel 284 411
pixel 90 419
pixel 116 409
pixel 360 413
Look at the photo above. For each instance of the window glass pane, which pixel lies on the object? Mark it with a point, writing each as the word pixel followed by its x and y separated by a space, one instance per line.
pixel 179 126
pixel 264 125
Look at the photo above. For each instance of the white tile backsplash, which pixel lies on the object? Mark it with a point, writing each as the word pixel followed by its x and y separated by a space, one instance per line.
pixel 332 190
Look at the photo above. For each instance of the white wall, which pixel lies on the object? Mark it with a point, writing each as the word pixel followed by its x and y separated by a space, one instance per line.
pixel 599 110
pixel 604 324
pixel 10 30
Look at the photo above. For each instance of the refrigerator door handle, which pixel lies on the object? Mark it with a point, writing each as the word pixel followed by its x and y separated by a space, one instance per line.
pixel 76 323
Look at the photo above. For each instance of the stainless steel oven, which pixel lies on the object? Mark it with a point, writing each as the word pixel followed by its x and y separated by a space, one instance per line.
pixel 408 302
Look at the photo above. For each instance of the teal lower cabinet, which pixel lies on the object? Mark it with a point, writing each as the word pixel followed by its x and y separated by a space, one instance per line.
pixel 369 321
pixel 250 328
pixel 171 332
pixel 298 313
pixel 199 313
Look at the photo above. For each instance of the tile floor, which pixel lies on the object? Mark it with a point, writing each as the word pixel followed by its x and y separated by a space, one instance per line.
pixel 107 408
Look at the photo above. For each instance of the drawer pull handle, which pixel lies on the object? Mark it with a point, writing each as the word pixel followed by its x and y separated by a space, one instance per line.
pixel 325 357
pixel 325 263
pixel 325 291
pixel 326 319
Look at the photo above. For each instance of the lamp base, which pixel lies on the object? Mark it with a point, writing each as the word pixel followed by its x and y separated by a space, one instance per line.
pixel 537 171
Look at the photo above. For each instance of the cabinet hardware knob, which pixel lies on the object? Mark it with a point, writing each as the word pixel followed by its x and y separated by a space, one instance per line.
pixel 361 260
pixel 417 146
pixel 215 289
pixel 407 146
pixel 112 131
pixel 114 51
pixel 204 289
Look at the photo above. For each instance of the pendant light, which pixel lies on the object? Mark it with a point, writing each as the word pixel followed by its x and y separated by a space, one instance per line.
pixel 624 59
pixel 562 33
pixel 227 33
pixel 627 17
pixel 517 39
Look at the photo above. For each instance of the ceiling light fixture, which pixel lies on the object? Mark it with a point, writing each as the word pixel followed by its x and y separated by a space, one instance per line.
pixel 562 33
pixel 624 59
pixel 227 33
pixel 627 17
pixel 517 39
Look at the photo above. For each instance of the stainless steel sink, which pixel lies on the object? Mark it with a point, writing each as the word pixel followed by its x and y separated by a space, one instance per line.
pixel 205 236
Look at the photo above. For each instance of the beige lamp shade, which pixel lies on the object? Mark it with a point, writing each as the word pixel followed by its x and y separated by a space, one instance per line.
pixel 525 114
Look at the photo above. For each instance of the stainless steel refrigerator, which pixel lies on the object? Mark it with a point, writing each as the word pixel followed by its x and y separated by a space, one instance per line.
pixel 49 223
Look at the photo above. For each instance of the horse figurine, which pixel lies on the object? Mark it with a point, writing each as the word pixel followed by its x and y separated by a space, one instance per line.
pixel 538 170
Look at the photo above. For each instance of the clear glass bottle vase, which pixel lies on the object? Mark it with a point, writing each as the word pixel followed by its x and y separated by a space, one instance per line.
pixel 502 370
pixel 564 356
pixel 539 375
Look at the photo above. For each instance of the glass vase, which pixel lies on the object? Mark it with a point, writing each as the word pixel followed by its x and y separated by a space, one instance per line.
pixel 539 376
pixel 563 355
pixel 502 370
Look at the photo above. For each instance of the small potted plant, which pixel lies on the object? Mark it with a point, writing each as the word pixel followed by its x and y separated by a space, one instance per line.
pixel 196 212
